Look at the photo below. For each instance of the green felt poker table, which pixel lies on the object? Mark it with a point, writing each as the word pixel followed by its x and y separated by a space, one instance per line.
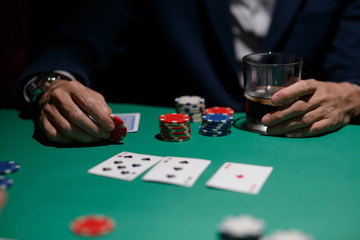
pixel 314 185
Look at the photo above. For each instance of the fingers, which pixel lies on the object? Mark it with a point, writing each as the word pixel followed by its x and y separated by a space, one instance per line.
pixel 294 92
pixel 290 111
pixel 61 130
pixel 308 108
pixel 64 117
pixel 97 108
pixel 307 124
pixel 51 131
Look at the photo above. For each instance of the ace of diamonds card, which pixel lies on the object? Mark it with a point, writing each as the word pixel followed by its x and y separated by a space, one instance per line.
pixel 239 177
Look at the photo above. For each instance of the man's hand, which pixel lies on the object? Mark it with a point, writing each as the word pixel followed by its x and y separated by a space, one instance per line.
pixel 311 107
pixel 64 113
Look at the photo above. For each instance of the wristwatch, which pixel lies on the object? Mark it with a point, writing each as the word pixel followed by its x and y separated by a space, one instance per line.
pixel 35 87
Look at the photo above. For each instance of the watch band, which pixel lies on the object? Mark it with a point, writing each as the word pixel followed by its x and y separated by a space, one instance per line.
pixel 34 88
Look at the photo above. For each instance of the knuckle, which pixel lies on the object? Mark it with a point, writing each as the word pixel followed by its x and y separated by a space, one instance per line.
pixel 302 106
pixel 307 119
pixel 73 84
pixel 304 85
pixel 90 101
pixel 65 127
pixel 56 94
pixel 75 116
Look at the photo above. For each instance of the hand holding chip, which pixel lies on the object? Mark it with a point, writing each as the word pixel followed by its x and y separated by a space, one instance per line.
pixel 64 113
pixel 311 107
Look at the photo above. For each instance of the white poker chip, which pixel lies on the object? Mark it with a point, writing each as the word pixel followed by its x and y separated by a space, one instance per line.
pixel 189 100
pixel 288 235
pixel 241 226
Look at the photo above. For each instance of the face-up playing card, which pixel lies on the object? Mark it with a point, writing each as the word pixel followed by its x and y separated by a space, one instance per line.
pixel 239 177
pixel 131 120
pixel 178 171
pixel 125 166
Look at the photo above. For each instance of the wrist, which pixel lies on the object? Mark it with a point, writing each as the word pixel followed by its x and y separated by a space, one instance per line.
pixel 34 89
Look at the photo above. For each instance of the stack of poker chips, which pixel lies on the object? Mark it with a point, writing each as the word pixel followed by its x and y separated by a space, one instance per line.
pixel 193 106
pixel 216 124
pixel 7 167
pixel 241 227
pixel 175 127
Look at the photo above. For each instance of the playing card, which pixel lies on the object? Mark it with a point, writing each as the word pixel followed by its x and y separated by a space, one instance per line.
pixel 125 165
pixel 177 170
pixel 131 120
pixel 239 177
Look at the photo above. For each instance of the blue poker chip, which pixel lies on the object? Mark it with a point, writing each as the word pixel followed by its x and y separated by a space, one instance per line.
pixel 214 130
pixel 216 125
pixel 216 134
pixel 209 131
pixel 5 183
pixel 7 167
pixel 217 118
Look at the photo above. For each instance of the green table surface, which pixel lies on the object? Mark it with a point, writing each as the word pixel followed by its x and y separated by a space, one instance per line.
pixel 314 186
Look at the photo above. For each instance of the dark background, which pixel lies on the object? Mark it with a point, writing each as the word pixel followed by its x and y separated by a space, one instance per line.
pixel 25 27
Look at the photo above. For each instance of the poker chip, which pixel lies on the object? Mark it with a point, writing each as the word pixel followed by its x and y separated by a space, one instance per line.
pixel 7 167
pixel 193 106
pixel 174 139
pixel 217 118
pixel 175 127
pixel 241 227
pixel 120 130
pixel 216 124
pixel 189 100
pixel 92 225
pixel 224 110
pixel 174 118
pixel 5 183
pixel 188 131
pixel 288 235
pixel 209 134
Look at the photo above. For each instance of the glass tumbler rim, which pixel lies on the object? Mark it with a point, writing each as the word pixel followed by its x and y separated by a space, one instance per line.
pixel 249 59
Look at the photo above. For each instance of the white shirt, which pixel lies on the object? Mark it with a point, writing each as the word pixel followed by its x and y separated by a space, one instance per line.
pixel 252 19
pixel 255 17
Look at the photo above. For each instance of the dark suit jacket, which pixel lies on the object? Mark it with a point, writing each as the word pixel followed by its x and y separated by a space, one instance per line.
pixel 151 51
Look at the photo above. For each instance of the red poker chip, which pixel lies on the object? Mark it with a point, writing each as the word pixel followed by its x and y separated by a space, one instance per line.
pixel 176 133
pixel 175 128
pixel 92 225
pixel 224 110
pixel 176 138
pixel 174 118
pixel 120 130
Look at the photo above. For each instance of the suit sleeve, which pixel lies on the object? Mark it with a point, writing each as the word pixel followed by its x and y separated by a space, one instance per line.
pixel 342 62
